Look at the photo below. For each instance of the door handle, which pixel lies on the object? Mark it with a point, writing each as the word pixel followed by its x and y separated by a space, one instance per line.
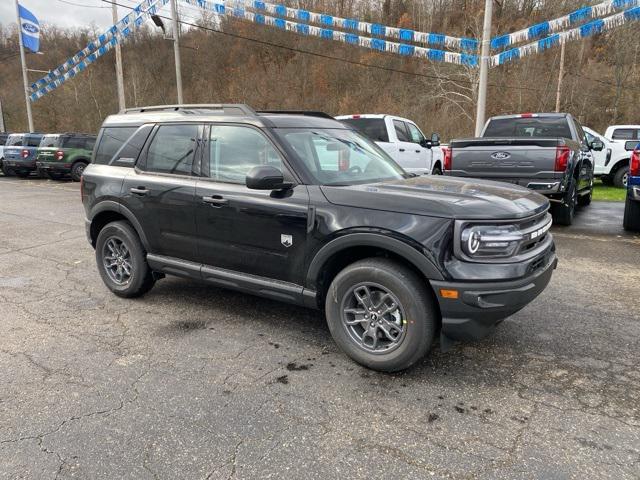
pixel 402 149
pixel 418 151
pixel 215 200
pixel 139 191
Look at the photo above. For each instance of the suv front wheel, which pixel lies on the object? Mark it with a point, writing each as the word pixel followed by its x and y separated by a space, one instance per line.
pixel 381 314
pixel 121 260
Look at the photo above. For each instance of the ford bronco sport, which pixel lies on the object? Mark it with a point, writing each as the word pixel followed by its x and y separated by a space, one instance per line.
pixel 65 154
pixel 300 208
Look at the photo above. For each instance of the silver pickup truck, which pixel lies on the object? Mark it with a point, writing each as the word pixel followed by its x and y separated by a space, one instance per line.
pixel 545 152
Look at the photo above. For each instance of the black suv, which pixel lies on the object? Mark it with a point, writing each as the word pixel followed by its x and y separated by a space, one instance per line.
pixel 300 208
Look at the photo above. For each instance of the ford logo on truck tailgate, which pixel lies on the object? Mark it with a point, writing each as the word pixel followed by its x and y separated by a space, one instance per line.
pixel 501 155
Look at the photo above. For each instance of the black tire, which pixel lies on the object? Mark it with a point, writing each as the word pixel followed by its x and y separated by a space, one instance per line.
pixel 76 170
pixel 621 177
pixel 414 311
pixel 606 180
pixel 564 212
pixel 8 172
pixel 631 220
pixel 585 200
pixel 22 174
pixel 437 170
pixel 140 279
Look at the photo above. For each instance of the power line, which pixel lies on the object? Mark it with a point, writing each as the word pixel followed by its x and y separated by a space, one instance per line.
pixel 81 4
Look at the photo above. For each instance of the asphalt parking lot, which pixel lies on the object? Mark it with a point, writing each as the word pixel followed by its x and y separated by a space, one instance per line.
pixel 197 382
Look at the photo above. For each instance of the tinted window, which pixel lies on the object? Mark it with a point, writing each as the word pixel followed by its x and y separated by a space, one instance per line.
pixel 172 149
pixel 111 141
pixel 414 133
pixel 401 131
pixel 75 142
pixel 89 143
pixel 374 128
pixel 590 138
pixel 529 127
pixel 33 141
pixel 234 151
pixel 3 138
pixel 15 140
pixel 50 141
pixel 624 134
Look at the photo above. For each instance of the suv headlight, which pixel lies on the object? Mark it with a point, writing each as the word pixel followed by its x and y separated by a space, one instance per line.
pixel 490 241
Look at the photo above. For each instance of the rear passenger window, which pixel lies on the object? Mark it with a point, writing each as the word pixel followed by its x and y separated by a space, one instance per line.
pixel 111 141
pixel 89 143
pixel 172 149
pixel 74 142
pixel 401 131
pixel 33 141
pixel 624 134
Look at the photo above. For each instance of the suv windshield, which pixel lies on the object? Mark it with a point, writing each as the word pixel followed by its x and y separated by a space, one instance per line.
pixel 50 141
pixel 15 140
pixel 528 127
pixel 340 157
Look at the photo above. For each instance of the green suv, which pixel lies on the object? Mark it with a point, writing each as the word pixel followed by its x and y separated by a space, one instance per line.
pixel 65 154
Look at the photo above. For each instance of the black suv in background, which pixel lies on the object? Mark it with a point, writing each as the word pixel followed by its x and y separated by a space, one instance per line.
pixel 300 208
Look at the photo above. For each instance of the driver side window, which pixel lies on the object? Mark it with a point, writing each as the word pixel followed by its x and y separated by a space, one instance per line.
pixel 414 133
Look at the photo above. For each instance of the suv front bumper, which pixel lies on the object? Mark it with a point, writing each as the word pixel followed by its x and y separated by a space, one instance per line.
pixel 479 307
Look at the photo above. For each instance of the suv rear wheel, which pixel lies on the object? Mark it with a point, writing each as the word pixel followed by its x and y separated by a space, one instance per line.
pixel 76 170
pixel 381 314
pixel 121 260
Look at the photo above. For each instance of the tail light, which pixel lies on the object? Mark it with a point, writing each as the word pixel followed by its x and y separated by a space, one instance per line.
pixel 59 155
pixel 634 166
pixel 448 153
pixel 24 153
pixel 563 153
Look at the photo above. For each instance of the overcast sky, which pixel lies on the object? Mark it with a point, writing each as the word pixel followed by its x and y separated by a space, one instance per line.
pixel 65 13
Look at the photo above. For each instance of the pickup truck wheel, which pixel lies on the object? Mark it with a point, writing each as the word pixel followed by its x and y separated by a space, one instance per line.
pixel 381 315
pixel 621 177
pixel 76 171
pixel 121 260
pixel 585 200
pixel 631 221
pixel 437 170
pixel 564 212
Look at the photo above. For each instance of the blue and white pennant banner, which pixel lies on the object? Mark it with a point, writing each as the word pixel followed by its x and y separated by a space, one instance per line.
pixel 588 29
pixel 376 29
pixel 553 26
pixel 121 29
pixel 345 37
pixel 96 49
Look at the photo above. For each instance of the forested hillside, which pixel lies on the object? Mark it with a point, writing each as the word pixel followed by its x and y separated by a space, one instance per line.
pixel 600 85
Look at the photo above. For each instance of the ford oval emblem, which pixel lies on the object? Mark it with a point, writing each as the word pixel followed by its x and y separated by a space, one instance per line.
pixel 501 155
pixel 30 28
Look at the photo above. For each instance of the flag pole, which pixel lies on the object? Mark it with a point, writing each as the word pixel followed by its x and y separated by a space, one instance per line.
pixel 25 79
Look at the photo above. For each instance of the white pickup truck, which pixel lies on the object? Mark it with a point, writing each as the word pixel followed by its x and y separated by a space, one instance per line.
pixel 402 140
pixel 623 133
pixel 612 162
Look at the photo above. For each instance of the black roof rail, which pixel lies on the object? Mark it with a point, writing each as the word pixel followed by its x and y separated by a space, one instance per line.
pixel 306 113
pixel 226 108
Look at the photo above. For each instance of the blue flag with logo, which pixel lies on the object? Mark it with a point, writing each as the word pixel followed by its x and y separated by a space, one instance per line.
pixel 30 29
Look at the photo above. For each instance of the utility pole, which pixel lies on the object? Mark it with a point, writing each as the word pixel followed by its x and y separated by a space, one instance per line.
pixel 176 49
pixel 119 75
pixel 25 79
pixel 2 129
pixel 560 77
pixel 484 67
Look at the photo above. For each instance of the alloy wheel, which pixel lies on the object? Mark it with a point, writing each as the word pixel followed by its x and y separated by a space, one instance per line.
pixel 116 259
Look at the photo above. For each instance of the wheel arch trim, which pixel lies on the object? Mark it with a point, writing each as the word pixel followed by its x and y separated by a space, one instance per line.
pixel 398 247
pixel 113 206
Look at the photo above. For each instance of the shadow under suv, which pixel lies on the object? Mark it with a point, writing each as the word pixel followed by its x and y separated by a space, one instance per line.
pixel 300 208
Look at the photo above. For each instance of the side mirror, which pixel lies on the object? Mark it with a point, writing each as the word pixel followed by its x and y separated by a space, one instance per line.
pixel 266 177
pixel 597 146
pixel 424 143
pixel 435 140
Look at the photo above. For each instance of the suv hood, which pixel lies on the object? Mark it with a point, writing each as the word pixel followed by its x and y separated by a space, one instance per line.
pixel 445 197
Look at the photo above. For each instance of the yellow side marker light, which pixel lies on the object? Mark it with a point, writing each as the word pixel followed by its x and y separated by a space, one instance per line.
pixel 451 294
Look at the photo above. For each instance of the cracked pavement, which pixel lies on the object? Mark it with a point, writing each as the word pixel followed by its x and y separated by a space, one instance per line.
pixel 193 381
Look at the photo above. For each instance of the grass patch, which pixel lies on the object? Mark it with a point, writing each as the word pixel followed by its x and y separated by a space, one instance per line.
pixel 605 193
